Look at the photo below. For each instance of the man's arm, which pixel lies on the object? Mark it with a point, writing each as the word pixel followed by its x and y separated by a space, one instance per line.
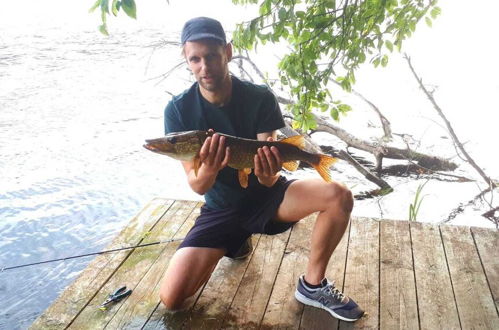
pixel 213 157
pixel 268 161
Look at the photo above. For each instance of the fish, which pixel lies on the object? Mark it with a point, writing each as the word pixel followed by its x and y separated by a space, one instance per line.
pixel 186 145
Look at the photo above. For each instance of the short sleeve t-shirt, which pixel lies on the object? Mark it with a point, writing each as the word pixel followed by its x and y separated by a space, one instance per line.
pixel 252 109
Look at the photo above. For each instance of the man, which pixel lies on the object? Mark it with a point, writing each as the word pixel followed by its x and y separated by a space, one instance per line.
pixel 270 204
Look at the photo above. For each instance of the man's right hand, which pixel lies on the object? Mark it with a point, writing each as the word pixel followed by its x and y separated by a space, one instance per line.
pixel 214 156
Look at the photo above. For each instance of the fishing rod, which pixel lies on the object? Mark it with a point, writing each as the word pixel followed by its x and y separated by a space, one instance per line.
pixel 92 254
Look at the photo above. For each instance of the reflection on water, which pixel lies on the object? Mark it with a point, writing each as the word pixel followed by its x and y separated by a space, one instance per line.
pixel 75 109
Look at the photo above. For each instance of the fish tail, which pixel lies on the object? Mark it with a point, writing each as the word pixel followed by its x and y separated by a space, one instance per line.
pixel 325 162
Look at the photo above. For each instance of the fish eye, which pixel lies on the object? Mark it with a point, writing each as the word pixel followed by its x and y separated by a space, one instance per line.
pixel 172 140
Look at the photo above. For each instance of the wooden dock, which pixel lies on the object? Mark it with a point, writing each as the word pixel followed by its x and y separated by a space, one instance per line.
pixel 405 275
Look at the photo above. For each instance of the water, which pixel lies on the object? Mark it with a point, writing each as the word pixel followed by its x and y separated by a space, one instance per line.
pixel 75 108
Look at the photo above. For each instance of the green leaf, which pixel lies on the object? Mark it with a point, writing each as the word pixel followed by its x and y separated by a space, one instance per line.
pixel 129 8
pixel 300 14
pixel 96 4
pixel 104 5
pixel 344 108
pixel 283 14
pixel 428 21
pixel 435 11
pixel 265 8
pixel 389 45
pixel 384 61
pixel 334 113
pixel 330 4
pixel 115 7
pixel 103 29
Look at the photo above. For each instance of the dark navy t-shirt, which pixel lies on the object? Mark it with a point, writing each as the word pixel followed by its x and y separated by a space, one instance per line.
pixel 252 109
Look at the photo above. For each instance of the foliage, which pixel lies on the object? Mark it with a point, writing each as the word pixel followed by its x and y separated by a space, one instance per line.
pixel 329 39
pixel 128 7
pixel 418 199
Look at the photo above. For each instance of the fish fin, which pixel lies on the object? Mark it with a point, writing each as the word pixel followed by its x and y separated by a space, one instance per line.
pixel 296 140
pixel 243 177
pixel 323 166
pixel 197 164
pixel 291 165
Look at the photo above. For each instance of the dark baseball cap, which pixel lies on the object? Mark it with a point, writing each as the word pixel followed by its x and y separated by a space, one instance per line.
pixel 202 28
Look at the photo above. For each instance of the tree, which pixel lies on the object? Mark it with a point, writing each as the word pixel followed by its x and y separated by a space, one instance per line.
pixel 329 40
pixel 128 7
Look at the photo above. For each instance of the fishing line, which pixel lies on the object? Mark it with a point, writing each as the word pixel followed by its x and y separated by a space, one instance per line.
pixel 92 254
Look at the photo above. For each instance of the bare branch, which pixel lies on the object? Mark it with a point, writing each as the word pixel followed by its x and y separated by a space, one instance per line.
pixel 489 181
pixel 384 121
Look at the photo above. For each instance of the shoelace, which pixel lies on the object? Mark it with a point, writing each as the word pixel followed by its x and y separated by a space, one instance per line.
pixel 333 291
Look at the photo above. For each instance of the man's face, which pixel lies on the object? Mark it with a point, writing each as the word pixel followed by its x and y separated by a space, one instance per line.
pixel 208 62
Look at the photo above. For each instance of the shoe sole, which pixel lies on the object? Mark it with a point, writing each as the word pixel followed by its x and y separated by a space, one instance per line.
pixel 307 301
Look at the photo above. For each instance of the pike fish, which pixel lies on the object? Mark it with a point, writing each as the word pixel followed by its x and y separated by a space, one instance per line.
pixel 185 146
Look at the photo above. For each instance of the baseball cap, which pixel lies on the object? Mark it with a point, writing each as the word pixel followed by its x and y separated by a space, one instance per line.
pixel 202 28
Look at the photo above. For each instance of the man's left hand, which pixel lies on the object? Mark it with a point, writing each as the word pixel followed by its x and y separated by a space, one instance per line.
pixel 268 163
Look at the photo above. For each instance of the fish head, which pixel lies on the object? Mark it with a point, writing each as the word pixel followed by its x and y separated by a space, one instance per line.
pixel 182 146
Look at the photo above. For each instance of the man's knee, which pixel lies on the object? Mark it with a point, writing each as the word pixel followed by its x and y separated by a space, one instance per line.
pixel 340 196
pixel 170 299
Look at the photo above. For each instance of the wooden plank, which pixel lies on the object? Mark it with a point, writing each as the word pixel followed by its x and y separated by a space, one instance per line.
pixel 436 305
pixel 473 297
pixel 362 272
pixel 211 308
pixel 137 309
pixel 487 243
pixel 283 310
pixel 398 305
pixel 250 301
pixel 76 296
pixel 134 268
pixel 315 318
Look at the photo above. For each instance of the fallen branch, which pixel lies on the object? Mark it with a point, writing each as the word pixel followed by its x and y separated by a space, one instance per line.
pixel 380 151
pixel 492 217
pixel 385 187
pixel 430 97
pixel 460 208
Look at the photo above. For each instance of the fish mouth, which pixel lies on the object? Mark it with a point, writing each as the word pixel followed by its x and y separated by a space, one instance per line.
pixel 159 146
pixel 150 147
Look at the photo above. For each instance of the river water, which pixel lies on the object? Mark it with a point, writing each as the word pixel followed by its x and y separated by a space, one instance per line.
pixel 75 108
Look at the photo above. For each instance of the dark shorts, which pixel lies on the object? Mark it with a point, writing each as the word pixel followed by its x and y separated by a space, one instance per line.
pixel 229 228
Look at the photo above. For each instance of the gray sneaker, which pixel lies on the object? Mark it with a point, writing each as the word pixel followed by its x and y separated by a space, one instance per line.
pixel 329 298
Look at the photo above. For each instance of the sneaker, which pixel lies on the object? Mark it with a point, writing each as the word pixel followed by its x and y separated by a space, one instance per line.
pixel 329 298
pixel 244 251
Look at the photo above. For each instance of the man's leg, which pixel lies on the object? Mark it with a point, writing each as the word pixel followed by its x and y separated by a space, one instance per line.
pixel 334 203
pixel 189 269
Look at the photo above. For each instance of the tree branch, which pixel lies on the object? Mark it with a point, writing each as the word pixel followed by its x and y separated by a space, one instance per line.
pixel 430 97
pixel 384 121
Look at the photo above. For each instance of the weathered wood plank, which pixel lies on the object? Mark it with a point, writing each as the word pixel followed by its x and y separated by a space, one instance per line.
pixel 76 296
pixel 283 310
pixel 487 243
pixel 134 267
pixel 250 301
pixel 315 318
pixel 436 305
pixel 474 300
pixel 137 309
pixel 210 309
pixel 362 272
pixel 398 305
